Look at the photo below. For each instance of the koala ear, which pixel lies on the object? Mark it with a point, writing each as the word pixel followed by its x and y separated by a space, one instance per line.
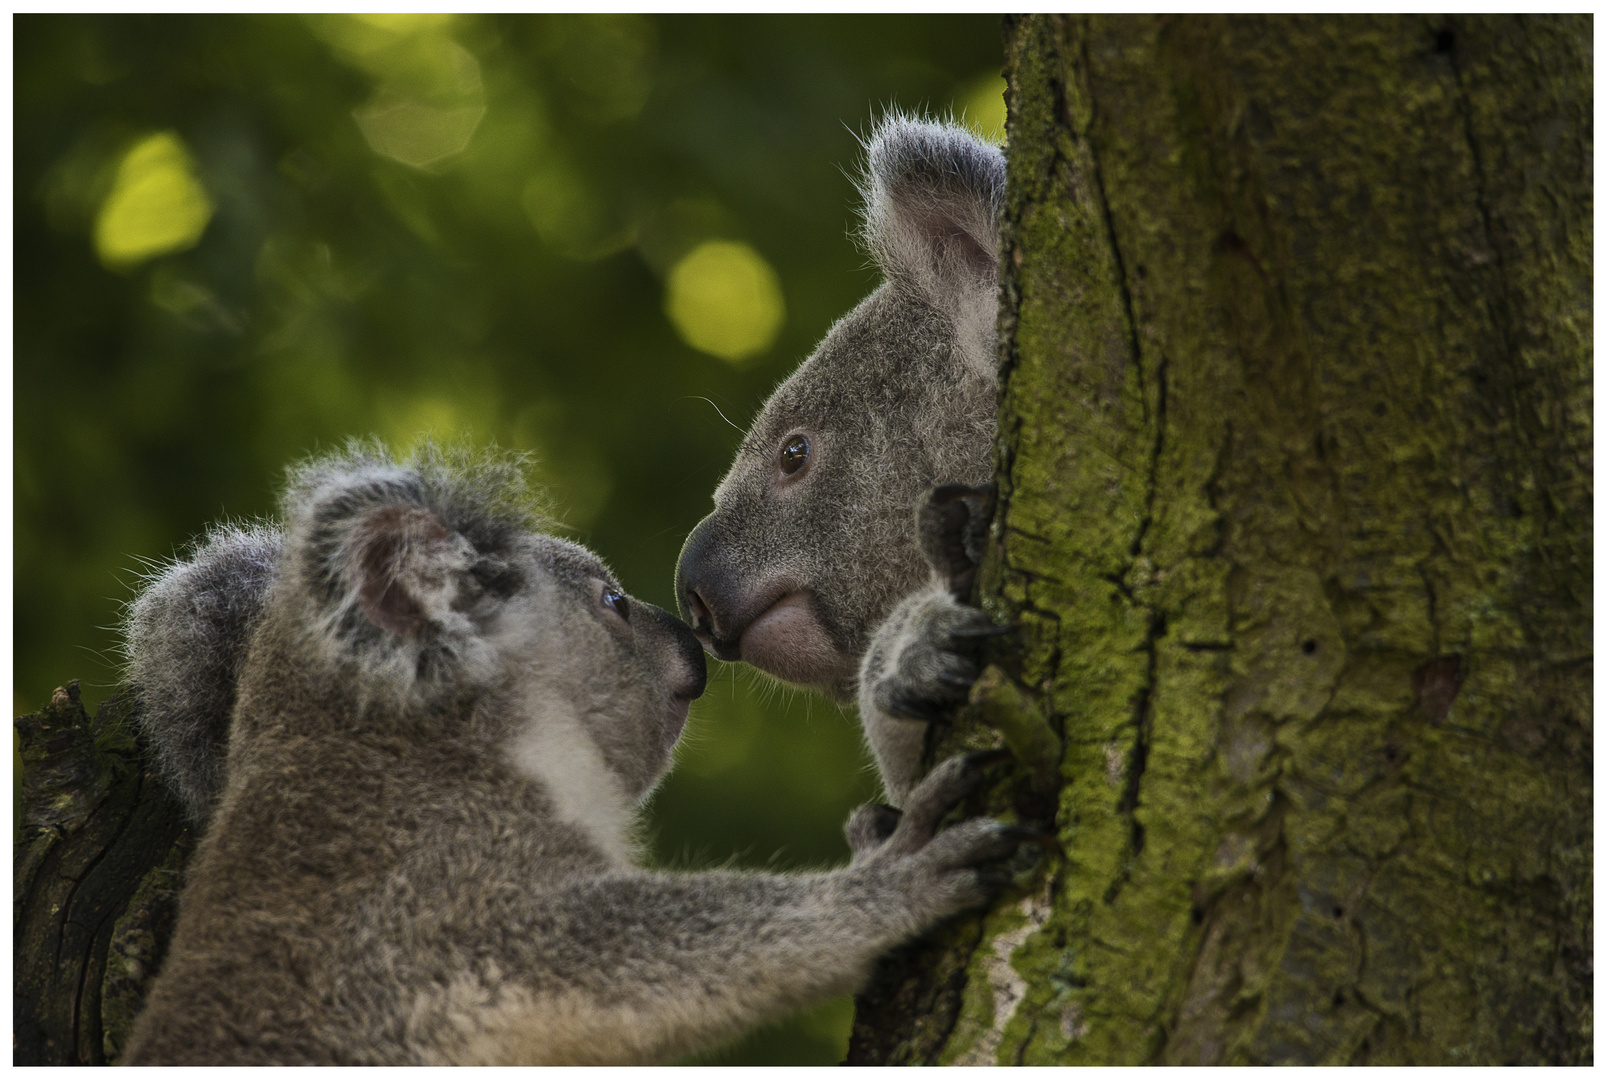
pixel 399 563
pixel 933 195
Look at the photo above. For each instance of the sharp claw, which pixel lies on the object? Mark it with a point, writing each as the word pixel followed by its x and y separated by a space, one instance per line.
pixel 981 759
pixel 992 879
pixel 959 682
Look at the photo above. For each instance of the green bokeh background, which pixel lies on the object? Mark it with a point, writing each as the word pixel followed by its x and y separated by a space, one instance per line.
pixel 360 273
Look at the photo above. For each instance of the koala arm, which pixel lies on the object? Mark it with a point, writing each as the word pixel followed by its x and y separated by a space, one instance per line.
pixel 918 670
pixel 925 655
pixel 644 966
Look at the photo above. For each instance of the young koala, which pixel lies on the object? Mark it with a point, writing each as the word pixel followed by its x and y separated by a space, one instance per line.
pixel 422 852
pixel 810 567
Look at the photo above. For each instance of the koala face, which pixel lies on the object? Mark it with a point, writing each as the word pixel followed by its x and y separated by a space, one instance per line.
pixel 811 540
pixel 425 586
pixel 625 670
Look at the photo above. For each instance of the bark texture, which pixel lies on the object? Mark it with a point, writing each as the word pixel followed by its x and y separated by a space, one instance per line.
pixel 1295 471
pixel 97 859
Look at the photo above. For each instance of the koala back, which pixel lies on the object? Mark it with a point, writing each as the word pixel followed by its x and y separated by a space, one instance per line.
pixel 186 637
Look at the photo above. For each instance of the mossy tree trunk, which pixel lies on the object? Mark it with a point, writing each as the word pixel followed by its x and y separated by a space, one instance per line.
pixel 1296 515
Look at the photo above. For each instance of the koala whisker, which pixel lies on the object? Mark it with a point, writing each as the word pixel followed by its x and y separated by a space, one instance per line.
pixel 698 397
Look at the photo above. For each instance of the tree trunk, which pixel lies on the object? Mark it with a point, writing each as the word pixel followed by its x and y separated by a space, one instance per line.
pixel 97 858
pixel 1295 471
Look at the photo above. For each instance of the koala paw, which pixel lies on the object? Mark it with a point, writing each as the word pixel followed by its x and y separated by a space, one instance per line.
pixel 926 656
pixel 951 527
pixel 919 669
pixel 947 871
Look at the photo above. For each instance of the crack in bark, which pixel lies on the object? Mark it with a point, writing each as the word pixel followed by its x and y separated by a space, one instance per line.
pixel 1110 232
pixel 101 932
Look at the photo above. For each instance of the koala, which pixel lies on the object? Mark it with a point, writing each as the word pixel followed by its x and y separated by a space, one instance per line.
pixel 422 848
pixel 811 567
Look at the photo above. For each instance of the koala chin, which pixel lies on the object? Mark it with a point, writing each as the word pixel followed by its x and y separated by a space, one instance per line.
pixel 813 541
pixel 420 849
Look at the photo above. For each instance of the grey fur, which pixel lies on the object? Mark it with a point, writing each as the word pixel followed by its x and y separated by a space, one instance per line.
pixel 799 573
pixel 186 635
pixel 423 849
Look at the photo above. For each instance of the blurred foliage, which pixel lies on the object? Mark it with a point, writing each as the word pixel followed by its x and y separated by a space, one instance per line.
pixel 600 238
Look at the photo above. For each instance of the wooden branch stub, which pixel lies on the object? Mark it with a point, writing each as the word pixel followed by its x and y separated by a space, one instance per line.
pixel 98 856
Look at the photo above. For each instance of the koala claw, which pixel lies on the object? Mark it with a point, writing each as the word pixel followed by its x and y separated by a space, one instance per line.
pixel 953 868
pixel 932 670
pixel 981 759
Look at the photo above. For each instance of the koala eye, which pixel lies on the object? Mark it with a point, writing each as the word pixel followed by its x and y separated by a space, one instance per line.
pixel 617 602
pixel 794 454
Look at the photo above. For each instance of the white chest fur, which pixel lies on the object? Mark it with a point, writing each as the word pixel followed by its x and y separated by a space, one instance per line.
pixel 554 749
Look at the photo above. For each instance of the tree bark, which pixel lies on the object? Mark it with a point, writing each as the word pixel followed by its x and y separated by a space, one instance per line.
pixel 97 859
pixel 1295 513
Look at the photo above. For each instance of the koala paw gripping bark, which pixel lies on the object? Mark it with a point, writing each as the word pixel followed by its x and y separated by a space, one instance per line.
pixel 953 869
pixel 919 669
pixel 420 851
pixel 924 659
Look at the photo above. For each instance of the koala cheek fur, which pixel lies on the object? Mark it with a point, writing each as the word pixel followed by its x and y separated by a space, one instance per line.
pixel 901 396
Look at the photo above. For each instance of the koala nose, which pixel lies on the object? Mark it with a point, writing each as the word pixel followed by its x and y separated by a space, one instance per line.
pixel 692 574
pixel 689 675
pixel 697 667
pixel 710 596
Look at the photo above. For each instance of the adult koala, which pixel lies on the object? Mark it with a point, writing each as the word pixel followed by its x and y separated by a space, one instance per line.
pixel 812 566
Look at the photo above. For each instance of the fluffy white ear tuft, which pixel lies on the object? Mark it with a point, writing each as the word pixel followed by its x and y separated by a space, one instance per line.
pixel 933 196
pixel 400 558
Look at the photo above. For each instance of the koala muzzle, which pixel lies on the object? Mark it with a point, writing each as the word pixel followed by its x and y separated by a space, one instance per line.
pixel 689 670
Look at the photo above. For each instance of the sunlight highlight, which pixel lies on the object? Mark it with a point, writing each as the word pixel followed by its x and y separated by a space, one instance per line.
pixel 156 205
pixel 725 300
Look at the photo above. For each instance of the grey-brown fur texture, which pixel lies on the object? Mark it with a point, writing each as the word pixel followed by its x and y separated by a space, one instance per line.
pixel 423 850
pixel 801 571
pixel 186 635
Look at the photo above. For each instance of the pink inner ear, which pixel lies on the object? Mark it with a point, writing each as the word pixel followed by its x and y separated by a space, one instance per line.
pixel 387 549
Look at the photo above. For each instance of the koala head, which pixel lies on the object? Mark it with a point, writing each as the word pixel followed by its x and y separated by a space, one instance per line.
pixel 423 591
pixel 812 538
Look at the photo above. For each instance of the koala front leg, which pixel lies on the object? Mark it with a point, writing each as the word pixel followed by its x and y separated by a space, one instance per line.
pixel 918 670
pixel 653 965
pixel 925 656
